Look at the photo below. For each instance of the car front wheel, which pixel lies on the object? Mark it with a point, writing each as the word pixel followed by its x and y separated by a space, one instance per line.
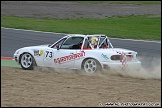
pixel 91 66
pixel 27 61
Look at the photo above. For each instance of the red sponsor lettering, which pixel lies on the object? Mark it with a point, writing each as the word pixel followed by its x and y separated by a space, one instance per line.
pixel 69 57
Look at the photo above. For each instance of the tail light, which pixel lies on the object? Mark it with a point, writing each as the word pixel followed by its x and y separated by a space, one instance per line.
pixel 129 57
pixel 116 57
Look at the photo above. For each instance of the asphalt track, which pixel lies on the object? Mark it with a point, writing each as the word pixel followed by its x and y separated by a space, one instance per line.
pixel 12 39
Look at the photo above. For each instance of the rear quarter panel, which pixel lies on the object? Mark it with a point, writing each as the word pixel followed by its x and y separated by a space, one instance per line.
pixel 99 55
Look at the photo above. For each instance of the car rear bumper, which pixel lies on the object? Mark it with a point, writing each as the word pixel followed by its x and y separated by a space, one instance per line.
pixel 117 66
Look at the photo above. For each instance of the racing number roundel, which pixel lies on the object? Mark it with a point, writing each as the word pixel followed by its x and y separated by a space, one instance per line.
pixel 49 54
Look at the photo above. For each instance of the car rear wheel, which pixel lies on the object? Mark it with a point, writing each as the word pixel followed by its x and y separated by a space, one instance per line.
pixel 91 66
pixel 27 61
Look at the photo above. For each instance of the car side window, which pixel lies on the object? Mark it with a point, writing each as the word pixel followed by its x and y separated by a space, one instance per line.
pixel 72 43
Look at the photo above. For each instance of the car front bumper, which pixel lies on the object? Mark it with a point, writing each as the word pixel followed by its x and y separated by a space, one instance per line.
pixel 16 58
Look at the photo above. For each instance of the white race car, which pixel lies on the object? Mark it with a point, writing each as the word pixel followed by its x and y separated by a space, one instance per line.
pixel 90 53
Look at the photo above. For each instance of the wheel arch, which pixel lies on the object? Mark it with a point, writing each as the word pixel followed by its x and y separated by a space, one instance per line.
pixel 28 53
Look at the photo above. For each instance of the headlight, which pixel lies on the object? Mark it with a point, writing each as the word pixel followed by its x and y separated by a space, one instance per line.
pixel 17 51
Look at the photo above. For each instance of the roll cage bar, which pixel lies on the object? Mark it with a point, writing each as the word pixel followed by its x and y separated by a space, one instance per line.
pixel 100 42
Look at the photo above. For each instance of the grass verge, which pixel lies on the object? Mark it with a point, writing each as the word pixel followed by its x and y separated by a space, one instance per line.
pixel 10 63
pixel 131 27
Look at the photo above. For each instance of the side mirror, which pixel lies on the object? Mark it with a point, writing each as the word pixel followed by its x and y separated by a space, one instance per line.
pixel 57 46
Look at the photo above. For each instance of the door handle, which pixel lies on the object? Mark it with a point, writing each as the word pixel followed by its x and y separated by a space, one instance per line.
pixel 71 53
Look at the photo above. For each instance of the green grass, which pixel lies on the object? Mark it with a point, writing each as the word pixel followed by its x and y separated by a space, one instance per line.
pixel 120 2
pixel 10 63
pixel 136 27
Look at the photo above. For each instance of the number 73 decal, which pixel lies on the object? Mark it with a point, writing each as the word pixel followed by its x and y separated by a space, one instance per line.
pixel 49 54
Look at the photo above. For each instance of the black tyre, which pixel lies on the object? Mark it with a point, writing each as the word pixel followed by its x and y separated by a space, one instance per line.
pixel 27 61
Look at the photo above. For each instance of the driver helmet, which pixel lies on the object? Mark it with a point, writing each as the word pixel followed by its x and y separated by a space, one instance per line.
pixel 93 40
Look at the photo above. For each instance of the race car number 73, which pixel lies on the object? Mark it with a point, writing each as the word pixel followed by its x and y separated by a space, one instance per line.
pixel 49 54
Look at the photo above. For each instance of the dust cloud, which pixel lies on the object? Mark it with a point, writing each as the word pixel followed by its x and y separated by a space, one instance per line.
pixel 150 69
